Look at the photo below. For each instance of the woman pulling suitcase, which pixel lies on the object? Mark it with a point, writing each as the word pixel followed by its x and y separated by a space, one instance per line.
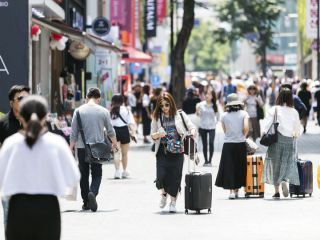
pixel 280 165
pixel 232 168
pixel 168 131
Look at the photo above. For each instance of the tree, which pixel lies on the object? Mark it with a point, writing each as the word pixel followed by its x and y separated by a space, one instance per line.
pixel 253 20
pixel 204 52
pixel 177 85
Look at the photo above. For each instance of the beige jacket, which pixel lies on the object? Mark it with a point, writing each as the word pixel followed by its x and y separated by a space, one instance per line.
pixel 156 126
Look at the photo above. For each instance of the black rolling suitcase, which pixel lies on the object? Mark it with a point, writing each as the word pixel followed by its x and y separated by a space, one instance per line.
pixel 306 180
pixel 198 189
pixel 305 170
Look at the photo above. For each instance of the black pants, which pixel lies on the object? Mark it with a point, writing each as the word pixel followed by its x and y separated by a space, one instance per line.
pixel 204 137
pixel 33 217
pixel 96 176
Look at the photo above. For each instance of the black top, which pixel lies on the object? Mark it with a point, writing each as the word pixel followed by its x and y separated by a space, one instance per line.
pixel 305 97
pixel 189 105
pixel 9 125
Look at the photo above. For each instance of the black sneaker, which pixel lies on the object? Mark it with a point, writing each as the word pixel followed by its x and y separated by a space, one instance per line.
pixel 276 196
pixel 92 202
pixel 85 207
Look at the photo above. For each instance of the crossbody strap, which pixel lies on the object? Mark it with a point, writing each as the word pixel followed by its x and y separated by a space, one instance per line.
pixel 122 119
pixel 184 123
pixel 80 127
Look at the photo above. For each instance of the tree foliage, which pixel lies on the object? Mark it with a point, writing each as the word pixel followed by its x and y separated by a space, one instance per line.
pixel 205 52
pixel 251 18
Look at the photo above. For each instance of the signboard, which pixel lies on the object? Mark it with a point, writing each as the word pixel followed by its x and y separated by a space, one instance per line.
pixel 290 59
pixel 275 59
pixel 311 18
pixel 14 47
pixel 150 18
pixel 101 26
pixel 161 10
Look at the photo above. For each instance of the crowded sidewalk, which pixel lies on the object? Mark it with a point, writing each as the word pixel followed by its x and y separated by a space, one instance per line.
pixel 128 208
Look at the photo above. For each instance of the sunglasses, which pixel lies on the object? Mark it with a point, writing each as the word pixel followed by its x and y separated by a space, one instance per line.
pixel 165 105
pixel 20 98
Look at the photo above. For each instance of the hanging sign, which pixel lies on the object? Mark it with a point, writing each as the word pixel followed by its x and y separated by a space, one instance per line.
pixel 101 26
pixel 14 47
pixel 150 18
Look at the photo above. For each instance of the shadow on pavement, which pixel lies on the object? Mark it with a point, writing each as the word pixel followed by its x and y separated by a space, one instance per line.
pixel 90 212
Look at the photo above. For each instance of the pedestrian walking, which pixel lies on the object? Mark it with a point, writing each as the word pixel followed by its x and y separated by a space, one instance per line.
pixel 124 125
pixel 33 181
pixel 280 165
pixel 306 97
pixel 11 124
pixel 253 102
pixel 232 169
pixel 146 113
pixel 209 116
pixel 189 105
pixel 95 119
pixel 168 132
pixel 228 89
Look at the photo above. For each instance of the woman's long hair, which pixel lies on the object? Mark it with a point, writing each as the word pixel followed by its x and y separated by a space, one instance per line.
pixel 168 98
pixel 214 100
pixel 33 110
pixel 285 97
pixel 116 103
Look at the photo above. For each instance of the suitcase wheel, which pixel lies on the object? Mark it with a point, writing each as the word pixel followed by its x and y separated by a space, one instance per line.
pixel 291 195
pixel 198 211
pixel 209 210
pixel 304 195
pixel 310 194
pixel 261 195
pixel 186 211
pixel 247 195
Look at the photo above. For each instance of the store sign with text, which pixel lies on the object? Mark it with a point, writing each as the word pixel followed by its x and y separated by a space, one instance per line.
pixel 150 18
pixel 311 18
pixel 14 47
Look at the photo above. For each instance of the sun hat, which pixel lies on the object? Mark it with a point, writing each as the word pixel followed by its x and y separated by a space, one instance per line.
pixel 233 99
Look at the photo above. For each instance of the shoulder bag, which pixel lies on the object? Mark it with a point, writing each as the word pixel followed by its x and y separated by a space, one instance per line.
pixel 271 136
pixel 188 140
pixel 96 152
pixel 133 138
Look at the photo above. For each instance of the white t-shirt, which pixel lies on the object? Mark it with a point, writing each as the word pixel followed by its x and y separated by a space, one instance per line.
pixel 47 168
pixel 288 118
pixel 127 117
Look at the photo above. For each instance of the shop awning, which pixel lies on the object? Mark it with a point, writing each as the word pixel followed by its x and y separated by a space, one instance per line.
pixel 134 55
pixel 48 8
pixel 75 34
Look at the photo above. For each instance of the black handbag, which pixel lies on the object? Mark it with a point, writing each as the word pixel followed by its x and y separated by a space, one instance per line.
pixel 260 112
pixel 188 140
pixel 96 152
pixel 271 136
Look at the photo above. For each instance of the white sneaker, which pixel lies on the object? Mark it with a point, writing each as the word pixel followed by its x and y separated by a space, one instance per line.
pixel 172 207
pixel 163 201
pixel 117 174
pixel 285 190
pixel 125 174
pixel 232 196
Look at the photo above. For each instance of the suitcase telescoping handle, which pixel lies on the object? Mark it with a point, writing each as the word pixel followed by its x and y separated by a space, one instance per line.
pixel 295 146
pixel 189 153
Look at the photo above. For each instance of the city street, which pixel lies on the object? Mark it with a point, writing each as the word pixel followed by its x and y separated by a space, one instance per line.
pixel 128 209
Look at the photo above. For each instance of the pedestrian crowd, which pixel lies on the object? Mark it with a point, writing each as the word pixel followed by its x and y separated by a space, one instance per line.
pixel 31 183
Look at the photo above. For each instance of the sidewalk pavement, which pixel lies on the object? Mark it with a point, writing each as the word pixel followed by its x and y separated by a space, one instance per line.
pixel 128 208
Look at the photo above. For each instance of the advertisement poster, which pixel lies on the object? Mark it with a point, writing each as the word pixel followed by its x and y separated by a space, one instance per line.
pixel 104 77
pixel 311 18
pixel 14 48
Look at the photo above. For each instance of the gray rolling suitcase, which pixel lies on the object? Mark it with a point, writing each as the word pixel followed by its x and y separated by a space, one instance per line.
pixel 198 189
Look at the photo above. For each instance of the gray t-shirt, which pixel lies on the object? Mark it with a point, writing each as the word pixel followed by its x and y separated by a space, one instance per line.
pixel 95 119
pixel 233 122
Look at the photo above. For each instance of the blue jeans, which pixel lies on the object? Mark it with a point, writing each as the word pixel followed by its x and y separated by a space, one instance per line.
pixel 5 206
pixel 96 176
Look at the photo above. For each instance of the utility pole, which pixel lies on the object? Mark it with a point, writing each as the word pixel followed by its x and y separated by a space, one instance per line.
pixel 318 42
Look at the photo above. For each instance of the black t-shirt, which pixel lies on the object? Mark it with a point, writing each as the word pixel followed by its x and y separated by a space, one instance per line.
pixel 305 97
pixel 317 97
pixel 9 125
pixel 189 105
